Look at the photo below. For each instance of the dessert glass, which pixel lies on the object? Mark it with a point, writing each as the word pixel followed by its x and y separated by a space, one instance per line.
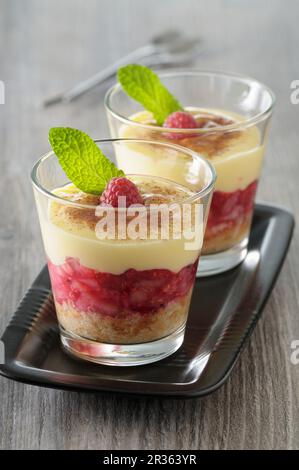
pixel 121 301
pixel 233 114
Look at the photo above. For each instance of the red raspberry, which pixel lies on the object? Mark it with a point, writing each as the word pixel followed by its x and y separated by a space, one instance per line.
pixel 118 187
pixel 180 120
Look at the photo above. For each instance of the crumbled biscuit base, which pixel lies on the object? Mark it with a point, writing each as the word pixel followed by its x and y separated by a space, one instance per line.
pixel 130 329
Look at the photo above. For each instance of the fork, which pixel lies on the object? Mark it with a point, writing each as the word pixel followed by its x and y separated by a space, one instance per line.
pixel 167 48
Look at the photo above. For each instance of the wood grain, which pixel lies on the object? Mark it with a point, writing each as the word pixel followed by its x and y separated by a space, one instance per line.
pixel 46 46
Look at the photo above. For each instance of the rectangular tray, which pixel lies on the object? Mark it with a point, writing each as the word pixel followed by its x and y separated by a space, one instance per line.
pixel 224 311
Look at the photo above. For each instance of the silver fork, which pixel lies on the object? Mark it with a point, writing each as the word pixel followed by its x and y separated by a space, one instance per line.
pixel 167 48
pixel 181 53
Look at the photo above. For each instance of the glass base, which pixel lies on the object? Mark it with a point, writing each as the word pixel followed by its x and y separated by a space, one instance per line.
pixel 217 263
pixel 122 354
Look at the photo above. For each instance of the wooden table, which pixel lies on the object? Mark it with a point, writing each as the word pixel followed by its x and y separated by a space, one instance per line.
pixel 45 47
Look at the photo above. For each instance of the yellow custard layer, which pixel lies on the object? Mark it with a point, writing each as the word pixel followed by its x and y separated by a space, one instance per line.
pixel 69 231
pixel 236 155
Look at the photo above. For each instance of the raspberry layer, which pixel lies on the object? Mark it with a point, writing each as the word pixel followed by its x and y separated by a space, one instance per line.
pixel 229 218
pixel 133 306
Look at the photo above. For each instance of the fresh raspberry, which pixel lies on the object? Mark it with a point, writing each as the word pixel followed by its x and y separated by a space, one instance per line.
pixel 179 120
pixel 118 187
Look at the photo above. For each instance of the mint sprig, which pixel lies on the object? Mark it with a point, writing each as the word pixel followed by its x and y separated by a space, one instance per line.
pixel 144 86
pixel 82 160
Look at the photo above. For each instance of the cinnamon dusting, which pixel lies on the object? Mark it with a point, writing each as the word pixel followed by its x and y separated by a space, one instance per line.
pixel 75 218
pixel 210 143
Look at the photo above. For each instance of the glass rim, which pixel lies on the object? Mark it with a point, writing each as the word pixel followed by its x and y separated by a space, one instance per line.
pixel 196 72
pixel 198 194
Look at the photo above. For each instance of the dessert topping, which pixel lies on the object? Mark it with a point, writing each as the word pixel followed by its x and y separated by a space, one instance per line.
pixel 82 160
pixel 180 120
pixel 144 86
pixel 121 187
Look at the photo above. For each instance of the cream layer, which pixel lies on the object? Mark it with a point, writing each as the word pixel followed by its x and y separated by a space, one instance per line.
pixel 237 163
pixel 69 234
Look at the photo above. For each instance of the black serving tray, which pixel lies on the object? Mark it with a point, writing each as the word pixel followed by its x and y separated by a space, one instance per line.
pixel 224 311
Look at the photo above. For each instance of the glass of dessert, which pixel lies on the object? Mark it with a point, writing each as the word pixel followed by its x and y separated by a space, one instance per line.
pixel 122 276
pixel 224 118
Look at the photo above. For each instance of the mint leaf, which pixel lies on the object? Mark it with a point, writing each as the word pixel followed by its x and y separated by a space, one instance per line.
pixel 144 86
pixel 82 160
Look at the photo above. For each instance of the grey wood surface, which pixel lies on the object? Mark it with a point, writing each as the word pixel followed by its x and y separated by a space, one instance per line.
pixel 45 46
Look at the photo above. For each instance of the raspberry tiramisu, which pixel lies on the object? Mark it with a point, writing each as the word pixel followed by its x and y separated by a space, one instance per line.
pixel 236 155
pixel 117 292
pixel 232 141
